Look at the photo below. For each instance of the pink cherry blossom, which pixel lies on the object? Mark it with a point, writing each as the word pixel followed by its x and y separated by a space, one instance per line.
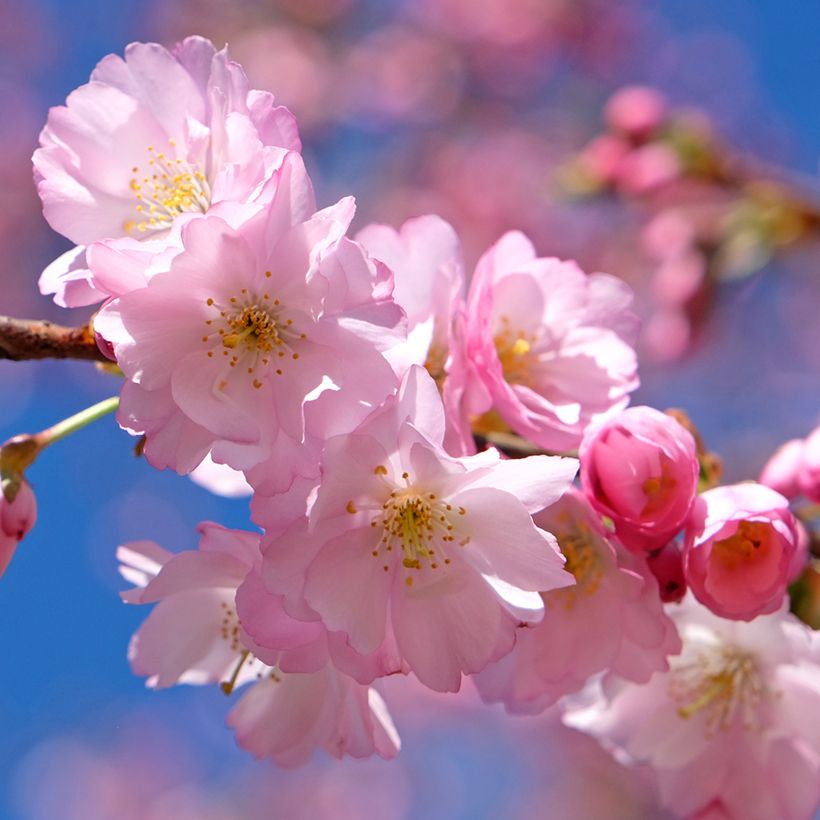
pixel 152 137
pixel 193 636
pixel 794 469
pixel 731 730
pixel 611 620
pixel 640 469
pixel 545 347
pixel 647 168
pixel 227 363
pixel 601 158
pixel 286 717
pixel 635 110
pixel 783 468
pixel 425 257
pixel 739 552
pixel 404 543
pixel 666 564
pixel 16 519
pixel 808 479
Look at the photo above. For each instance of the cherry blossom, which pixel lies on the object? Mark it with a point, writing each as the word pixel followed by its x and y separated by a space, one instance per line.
pixel 730 728
pixel 16 519
pixel 741 550
pixel 226 363
pixel 151 138
pixel 542 348
pixel 640 468
pixel 193 636
pixel 404 540
pixel 781 471
pixel 425 257
pixel 795 468
pixel 611 620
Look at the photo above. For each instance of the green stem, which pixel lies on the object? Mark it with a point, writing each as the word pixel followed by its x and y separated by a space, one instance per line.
pixel 76 422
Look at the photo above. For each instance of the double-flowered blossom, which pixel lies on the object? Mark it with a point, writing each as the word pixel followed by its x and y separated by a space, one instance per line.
pixel 611 620
pixel 402 542
pixel 731 729
pixel 249 322
pixel 193 636
pixel 16 519
pixel 742 547
pixel 640 468
pixel 425 257
pixel 542 348
pixel 153 138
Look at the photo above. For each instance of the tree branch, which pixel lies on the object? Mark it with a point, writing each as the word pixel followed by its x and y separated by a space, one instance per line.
pixel 22 339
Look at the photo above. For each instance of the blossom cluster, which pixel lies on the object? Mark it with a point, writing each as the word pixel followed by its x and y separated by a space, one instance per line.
pixel 369 394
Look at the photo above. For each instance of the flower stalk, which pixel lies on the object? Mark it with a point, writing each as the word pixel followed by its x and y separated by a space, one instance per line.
pixel 20 452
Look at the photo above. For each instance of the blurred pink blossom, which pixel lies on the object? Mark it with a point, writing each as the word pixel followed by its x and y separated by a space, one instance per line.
pixel 732 726
pixel 635 110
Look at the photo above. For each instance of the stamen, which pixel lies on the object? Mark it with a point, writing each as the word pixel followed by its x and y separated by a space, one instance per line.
pixel 722 683
pixel 176 187
pixel 228 686
pixel 419 526
pixel 252 333
pixel 515 352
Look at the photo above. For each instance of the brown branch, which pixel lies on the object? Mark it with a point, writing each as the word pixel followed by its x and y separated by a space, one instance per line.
pixel 39 339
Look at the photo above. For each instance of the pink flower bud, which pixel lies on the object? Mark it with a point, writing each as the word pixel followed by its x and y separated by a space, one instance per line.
pixel 739 550
pixel 640 469
pixel 809 479
pixel 667 567
pixel 16 519
pixel 602 157
pixel 635 110
pixel 647 168
pixel 782 469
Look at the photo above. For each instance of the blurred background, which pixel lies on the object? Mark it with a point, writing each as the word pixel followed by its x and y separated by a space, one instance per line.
pixel 496 114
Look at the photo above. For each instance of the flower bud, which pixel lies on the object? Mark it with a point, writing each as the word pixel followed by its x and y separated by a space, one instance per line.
pixel 636 110
pixel 667 566
pixel 16 519
pixel 740 550
pixel 782 469
pixel 640 469
pixel 809 478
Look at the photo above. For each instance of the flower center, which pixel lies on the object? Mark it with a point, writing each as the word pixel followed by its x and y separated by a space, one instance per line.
pixel 166 188
pixel 748 545
pixel 254 331
pixel 515 353
pixel 577 543
pixel 254 328
pixel 659 489
pixel 722 683
pixel 419 526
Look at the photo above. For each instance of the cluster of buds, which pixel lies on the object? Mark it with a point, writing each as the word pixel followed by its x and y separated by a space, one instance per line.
pixel 703 215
